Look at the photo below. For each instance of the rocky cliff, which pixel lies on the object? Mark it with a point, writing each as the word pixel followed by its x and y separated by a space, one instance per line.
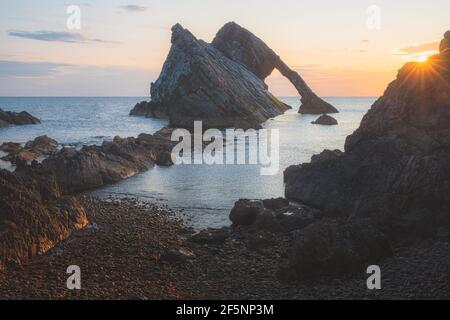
pixel 239 44
pixel 34 217
pixel 396 165
pixel 221 83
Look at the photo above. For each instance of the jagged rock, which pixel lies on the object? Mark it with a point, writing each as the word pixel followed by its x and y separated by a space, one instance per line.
pixel 95 166
pixel 273 215
pixel 330 248
pixel 239 44
pixel 396 165
pixel 326 155
pixel 245 212
pixel 42 145
pixel 198 82
pixel 8 118
pixel 276 203
pixel 31 220
pixel 9 147
pixel 325 120
pixel 39 147
pixel 221 83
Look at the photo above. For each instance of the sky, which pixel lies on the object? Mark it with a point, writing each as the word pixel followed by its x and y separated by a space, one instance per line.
pixel 341 48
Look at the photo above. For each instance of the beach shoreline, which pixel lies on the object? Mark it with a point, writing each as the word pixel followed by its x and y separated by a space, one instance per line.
pixel 127 252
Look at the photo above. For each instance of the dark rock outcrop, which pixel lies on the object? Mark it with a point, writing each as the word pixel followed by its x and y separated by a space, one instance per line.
pixel 42 146
pixel 95 166
pixel 239 44
pixel 330 248
pixel 325 120
pixel 221 84
pixel 396 165
pixel 198 82
pixel 34 217
pixel 13 118
pixel 274 215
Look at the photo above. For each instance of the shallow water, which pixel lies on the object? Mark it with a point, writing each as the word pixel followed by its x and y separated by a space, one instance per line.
pixel 204 193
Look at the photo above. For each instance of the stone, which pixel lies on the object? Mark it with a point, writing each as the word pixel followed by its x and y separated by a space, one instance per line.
pixel 325 120
pixel 13 118
pixel 222 83
pixel 239 44
pixel 245 212
pixel 198 82
pixel 31 223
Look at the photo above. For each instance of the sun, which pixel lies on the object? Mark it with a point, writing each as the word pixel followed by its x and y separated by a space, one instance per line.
pixel 422 58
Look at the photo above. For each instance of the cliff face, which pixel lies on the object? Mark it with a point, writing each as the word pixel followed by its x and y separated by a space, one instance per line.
pixel 198 82
pixel 221 83
pixel 396 165
pixel 242 46
pixel 34 217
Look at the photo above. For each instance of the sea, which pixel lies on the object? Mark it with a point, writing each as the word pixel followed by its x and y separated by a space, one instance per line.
pixel 202 194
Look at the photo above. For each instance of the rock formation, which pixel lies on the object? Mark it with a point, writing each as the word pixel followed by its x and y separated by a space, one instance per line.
pixel 95 166
pixel 221 83
pixel 396 165
pixel 34 217
pixel 325 120
pixel 13 118
pixel 42 146
pixel 36 205
pixel 239 44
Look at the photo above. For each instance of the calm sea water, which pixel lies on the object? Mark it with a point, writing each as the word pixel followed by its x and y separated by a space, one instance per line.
pixel 204 194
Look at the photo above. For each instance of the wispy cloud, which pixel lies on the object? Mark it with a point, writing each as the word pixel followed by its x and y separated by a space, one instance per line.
pixel 21 69
pixel 418 48
pixel 134 8
pixel 55 36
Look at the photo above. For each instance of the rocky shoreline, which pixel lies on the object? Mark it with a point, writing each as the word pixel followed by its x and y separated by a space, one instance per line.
pixel 127 252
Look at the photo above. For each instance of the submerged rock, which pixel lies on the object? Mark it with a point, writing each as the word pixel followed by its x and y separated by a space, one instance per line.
pixel 396 165
pixel 325 120
pixel 221 84
pixel 13 118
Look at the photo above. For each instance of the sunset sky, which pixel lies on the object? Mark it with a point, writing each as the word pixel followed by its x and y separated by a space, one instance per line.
pixel 122 45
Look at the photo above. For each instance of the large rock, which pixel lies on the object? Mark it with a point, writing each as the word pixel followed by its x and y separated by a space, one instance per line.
pixel 325 120
pixel 8 118
pixel 34 217
pixel 42 146
pixel 396 165
pixel 95 166
pixel 330 248
pixel 198 82
pixel 221 83
pixel 240 45
pixel 273 215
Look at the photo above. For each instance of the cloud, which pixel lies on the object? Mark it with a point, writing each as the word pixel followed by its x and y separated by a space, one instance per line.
pixel 54 36
pixel 134 8
pixel 21 69
pixel 418 48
